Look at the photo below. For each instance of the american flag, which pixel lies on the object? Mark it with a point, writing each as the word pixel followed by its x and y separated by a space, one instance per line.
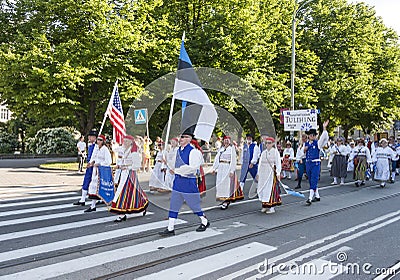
pixel 116 116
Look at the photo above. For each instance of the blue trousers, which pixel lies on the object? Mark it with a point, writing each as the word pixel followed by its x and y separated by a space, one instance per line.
pixel 185 189
pixel 87 178
pixel 301 170
pixel 313 171
pixel 253 173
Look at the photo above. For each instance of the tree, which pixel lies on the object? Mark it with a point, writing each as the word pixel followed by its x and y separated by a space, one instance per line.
pixel 358 55
pixel 59 59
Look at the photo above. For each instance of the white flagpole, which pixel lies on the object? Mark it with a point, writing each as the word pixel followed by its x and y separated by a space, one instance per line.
pixel 147 124
pixel 169 121
pixel 109 104
pixel 171 109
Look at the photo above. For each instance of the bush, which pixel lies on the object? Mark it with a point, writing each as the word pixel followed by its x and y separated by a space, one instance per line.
pixel 8 142
pixel 52 141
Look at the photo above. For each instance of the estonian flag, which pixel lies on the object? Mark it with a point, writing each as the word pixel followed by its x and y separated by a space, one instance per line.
pixel 198 113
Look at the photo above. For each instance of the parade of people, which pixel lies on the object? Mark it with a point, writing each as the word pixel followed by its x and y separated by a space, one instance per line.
pixel 270 151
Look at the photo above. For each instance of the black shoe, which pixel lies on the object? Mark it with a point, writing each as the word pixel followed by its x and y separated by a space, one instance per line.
pixel 308 202
pixel 362 183
pixel 203 227
pixel 79 203
pixel 90 210
pixel 119 219
pixel 225 205
pixel 316 199
pixel 357 184
pixel 167 233
pixel 98 202
pixel 298 187
pixel 391 181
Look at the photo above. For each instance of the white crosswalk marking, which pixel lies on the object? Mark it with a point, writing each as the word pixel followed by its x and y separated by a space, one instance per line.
pixel 58 269
pixel 28 203
pixel 36 209
pixel 91 238
pixel 382 221
pixel 212 263
pixel 36 197
pixel 49 216
pixel 66 226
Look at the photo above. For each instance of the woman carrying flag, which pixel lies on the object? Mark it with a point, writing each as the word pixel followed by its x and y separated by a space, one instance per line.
pixel 101 157
pixel 129 197
pixel 268 182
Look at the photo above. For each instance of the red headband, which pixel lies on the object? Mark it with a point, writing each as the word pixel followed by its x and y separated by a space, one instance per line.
pixel 269 138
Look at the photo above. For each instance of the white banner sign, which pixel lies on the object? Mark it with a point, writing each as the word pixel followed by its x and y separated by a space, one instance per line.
pixel 300 120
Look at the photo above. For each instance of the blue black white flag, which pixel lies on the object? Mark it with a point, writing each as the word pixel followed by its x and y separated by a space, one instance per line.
pixel 199 115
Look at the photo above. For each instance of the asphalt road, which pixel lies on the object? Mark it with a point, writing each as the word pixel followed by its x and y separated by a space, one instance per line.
pixel 352 233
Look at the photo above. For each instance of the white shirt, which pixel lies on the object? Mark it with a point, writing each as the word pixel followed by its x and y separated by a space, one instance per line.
pixel 81 146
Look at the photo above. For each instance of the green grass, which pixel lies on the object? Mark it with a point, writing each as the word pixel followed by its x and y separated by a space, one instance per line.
pixel 72 166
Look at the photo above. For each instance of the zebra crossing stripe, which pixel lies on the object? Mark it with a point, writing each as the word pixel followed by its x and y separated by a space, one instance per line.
pixel 78 264
pixel 37 196
pixel 32 232
pixel 47 217
pixel 27 203
pixel 36 209
pixel 90 238
pixel 325 240
pixel 201 267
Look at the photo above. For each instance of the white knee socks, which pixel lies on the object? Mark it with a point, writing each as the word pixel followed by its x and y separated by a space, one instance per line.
pixel 171 224
pixel 83 197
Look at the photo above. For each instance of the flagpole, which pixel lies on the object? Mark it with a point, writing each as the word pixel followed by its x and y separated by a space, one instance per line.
pixel 147 123
pixel 171 109
pixel 169 121
pixel 108 106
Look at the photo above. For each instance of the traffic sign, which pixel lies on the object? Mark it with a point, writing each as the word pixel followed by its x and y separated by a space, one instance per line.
pixel 141 116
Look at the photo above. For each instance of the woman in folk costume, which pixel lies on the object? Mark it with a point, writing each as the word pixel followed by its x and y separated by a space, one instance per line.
pixel 287 160
pixel 361 158
pixel 157 180
pixel 352 151
pixel 129 197
pixel 101 157
pixel 170 158
pixel 201 179
pixel 383 157
pixel 268 182
pixel 339 162
pixel 227 184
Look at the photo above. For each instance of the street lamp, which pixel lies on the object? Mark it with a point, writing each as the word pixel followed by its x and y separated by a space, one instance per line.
pixel 293 72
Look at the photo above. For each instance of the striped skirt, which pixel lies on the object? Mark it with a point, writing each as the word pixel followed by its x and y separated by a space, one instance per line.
pixel 275 198
pixel 132 198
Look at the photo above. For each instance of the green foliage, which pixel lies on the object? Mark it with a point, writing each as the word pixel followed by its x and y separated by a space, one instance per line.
pixel 8 142
pixel 52 141
pixel 59 59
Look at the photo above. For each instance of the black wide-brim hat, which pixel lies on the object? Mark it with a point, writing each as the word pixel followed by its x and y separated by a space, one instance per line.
pixel 93 133
pixel 312 131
